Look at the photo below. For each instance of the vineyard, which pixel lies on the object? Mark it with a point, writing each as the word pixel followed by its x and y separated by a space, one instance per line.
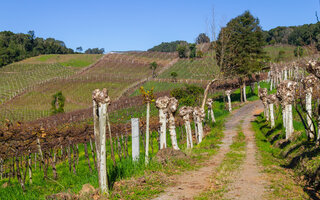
pixel 117 72
pixel 51 154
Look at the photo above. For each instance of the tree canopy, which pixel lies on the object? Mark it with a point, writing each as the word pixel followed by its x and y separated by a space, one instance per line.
pixel 202 38
pixel 307 34
pixel 94 51
pixel 167 46
pixel 17 46
pixel 240 46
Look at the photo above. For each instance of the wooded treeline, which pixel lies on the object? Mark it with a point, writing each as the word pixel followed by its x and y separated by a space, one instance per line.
pixel 307 34
pixel 18 46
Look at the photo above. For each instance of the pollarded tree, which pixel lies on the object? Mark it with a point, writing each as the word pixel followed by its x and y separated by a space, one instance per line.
pixel 240 47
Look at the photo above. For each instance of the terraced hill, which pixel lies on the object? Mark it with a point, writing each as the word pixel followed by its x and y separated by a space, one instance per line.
pixel 115 71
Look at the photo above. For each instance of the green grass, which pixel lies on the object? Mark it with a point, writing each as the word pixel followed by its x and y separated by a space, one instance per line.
pixel 192 69
pixel 273 52
pixel 281 182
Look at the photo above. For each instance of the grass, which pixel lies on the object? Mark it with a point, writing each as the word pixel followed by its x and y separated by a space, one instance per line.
pixel 192 69
pixel 227 169
pixel 273 52
pixel 282 183
pixel 66 60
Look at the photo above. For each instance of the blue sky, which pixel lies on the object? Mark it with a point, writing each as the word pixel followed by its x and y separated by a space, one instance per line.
pixel 141 24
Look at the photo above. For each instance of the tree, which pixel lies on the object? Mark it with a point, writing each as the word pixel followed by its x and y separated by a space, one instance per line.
pixel 174 76
pixel 153 67
pixel 182 49
pixel 79 49
pixel 193 50
pixel 94 51
pixel 17 46
pixel 57 104
pixel 167 46
pixel 242 53
pixel 202 38
pixel 148 98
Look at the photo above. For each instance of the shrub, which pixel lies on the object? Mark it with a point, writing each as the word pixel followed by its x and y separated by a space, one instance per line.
pixel 189 95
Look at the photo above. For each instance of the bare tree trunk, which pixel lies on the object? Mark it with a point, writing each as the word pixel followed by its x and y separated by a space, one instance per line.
pixel 147 134
pixel 241 93
pixel 228 93
pixel 244 92
pixel 103 162
pixel 206 91
pixel 163 129
pixel 97 134
pixel 289 123
pixel 189 134
pixel 271 115
pixel 173 134
pixel 309 114
pixel 30 167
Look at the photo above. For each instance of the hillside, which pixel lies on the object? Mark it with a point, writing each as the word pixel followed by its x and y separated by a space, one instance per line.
pixel 33 89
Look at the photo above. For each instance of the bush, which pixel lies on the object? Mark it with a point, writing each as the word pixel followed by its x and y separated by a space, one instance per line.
pixel 189 95
pixel 199 54
pixel 182 50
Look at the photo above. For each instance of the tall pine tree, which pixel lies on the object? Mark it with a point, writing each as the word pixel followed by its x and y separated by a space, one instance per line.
pixel 240 47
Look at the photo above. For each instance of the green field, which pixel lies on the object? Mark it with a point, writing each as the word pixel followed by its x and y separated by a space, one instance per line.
pixel 273 52
pixel 198 69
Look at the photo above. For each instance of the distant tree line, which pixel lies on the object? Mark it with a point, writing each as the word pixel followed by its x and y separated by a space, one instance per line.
pixel 17 46
pixel 307 34
pixel 167 46
pixel 94 51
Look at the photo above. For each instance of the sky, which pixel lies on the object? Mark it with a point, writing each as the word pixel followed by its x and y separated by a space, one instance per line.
pixel 120 25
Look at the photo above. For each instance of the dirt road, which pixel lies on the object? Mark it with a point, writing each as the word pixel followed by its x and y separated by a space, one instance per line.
pixel 191 183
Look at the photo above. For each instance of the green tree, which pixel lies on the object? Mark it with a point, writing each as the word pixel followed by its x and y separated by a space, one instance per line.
pixel 240 47
pixel 193 50
pixel 182 49
pixel 174 76
pixel 153 67
pixel 57 103
pixel 202 38
pixel 79 49
pixel 167 46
